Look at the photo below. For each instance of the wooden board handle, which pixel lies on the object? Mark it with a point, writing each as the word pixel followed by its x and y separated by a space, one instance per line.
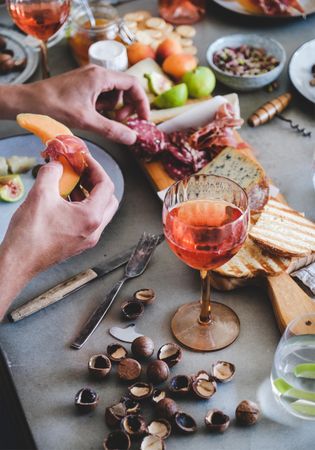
pixel 288 299
pixel 53 295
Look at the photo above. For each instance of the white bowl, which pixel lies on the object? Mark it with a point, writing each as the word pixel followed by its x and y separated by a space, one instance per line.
pixel 247 82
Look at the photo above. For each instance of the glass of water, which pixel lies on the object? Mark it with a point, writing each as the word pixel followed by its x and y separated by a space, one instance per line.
pixel 293 371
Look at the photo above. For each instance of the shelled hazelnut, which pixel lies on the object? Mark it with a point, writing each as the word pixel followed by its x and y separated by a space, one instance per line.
pixel 170 353
pixel 116 352
pixel 131 309
pixel 166 408
pixel 160 427
pixel 185 423
pixel 145 295
pixel 134 425
pixel 99 365
pixel 157 371
pixel 129 369
pixel 217 421
pixel 142 347
pixel 86 400
pixel 247 413
pixel 117 439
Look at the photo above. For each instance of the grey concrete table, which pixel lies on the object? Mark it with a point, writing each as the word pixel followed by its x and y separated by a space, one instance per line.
pixel 47 373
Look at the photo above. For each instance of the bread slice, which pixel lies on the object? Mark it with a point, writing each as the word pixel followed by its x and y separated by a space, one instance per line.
pixel 252 261
pixel 284 231
pixel 250 175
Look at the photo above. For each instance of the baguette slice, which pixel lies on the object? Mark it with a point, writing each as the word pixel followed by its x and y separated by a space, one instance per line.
pixel 250 175
pixel 252 261
pixel 284 231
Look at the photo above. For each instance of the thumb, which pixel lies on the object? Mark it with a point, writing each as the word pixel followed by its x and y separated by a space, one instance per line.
pixel 48 177
pixel 111 129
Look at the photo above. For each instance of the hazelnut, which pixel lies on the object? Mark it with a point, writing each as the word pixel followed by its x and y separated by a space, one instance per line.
pixel 3 43
pixel 185 423
pixel 157 371
pixel 247 413
pixel 99 365
pixel 117 439
pixel 170 353
pixel 114 414
pixel 134 425
pixel 116 352
pixel 152 442
pixel 160 427
pixel 142 347
pixel 140 391
pixel 217 421
pixel 86 400
pixel 145 296
pixel 223 371
pixel 131 309
pixel 204 388
pixel 129 369
pixel 158 395
pixel 180 385
pixel 132 406
pixel 166 408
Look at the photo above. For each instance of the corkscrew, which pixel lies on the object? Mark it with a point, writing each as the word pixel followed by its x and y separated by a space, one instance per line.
pixel 273 109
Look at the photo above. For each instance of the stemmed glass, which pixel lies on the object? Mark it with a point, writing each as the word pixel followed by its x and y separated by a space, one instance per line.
pixel 205 219
pixel 41 19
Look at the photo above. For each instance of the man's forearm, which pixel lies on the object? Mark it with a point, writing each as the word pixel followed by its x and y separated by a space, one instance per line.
pixel 13 100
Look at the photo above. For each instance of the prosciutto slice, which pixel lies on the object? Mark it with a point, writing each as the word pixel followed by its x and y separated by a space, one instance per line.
pixel 70 147
pixel 276 7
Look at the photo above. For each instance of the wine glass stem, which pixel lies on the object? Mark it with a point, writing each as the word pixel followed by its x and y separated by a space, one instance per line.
pixel 44 60
pixel 205 314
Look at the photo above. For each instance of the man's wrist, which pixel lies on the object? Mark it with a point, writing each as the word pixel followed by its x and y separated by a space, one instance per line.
pixel 13 100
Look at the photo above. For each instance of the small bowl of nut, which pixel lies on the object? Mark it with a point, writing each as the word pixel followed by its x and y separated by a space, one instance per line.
pixel 246 62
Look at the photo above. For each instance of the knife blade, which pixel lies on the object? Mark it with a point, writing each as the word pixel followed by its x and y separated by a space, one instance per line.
pixel 69 286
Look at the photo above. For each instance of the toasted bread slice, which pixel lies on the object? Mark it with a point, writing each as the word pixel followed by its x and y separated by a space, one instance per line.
pixel 250 175
pixel 252 261
pixel 283 231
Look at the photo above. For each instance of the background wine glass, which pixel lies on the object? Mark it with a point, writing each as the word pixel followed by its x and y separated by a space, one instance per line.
pixel 40 19
pixel 205 219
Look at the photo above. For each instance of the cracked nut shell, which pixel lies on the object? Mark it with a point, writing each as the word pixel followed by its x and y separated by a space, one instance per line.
pixel 201 375
pixel 114 414
pixel 134 425
pixel 157 395
pixel 132 406
pixel 247 413
pixel 160 427
pixel 152 442
pixel 157 371
pixel 99 365
pixel 204 388
pixel 217 421
pixel 170 353
pixel 180 385
pixel 145 295
pixel 185 423
pixel 166 408
pixel 223 371
pixel 129 369
pixel 142 347
pixel 86 400
pixel 117 440
pixel 116 352
pixel 131 309
pixel 140 391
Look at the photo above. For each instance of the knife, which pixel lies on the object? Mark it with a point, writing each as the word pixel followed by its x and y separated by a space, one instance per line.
pixel 70 286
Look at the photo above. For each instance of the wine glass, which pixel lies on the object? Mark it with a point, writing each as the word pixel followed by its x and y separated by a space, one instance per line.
pixel 293 371
pixel 205 219
pixel 41 19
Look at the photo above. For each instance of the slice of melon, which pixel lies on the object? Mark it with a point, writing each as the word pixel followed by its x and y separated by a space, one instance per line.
pixel 46 128
pixel 250 6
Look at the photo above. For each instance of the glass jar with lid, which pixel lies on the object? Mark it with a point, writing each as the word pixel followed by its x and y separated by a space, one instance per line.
pixel 108 25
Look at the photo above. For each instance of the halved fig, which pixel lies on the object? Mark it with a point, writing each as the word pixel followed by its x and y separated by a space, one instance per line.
pixel 99 365
pixel 170 353
pixel 116 352
pixel 180 384
pixel 117 440
pixel 223 371
pixel 185 423
pixel 134 425
pixel 160 427
pixel 152 443
pixel 204 388
pixel 217 421
pixel 11 188
pixel 86 400
pixel 140 391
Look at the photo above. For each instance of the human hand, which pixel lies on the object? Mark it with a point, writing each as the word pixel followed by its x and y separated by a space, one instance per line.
pixel 47 229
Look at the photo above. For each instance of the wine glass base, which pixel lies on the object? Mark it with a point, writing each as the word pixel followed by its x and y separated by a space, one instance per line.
pixel 220 332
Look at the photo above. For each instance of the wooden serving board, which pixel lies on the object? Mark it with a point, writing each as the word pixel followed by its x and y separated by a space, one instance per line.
pixel 287 298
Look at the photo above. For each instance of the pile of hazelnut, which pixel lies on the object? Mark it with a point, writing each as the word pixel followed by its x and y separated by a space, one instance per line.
pixel 124 417
pixel 7 62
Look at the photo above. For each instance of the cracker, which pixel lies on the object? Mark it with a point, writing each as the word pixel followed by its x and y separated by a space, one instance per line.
pixel 186 31
pixel 156 23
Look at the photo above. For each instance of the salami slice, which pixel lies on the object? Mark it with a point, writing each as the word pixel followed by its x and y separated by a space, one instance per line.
pixel 150 141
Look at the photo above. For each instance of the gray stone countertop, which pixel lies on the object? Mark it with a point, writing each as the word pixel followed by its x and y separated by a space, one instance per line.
pixel 47 373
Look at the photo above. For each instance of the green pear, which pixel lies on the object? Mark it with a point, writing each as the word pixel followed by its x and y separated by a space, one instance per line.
pixel 176 96
pixel 200 82
pixel 157 83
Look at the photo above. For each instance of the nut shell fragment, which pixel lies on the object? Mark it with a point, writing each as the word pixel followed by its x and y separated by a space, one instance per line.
pixel 160 427
pixel 117 440
pixel 114 414
pixel 134 425
pixel 180 385
pixel 223 371
pixel 132 406
pixel 131 309
pixel 204 388
pixel 99 365
pixel 140 391
pixel 152 442
pixel 145 295
pixel 170 353
pixel 157 395
pixel 202 375
pixel 86 400
pixel 185 423
pixel 247 413
pixel 129 369
pixel 142 347
pixel 217 421
pixel 116 352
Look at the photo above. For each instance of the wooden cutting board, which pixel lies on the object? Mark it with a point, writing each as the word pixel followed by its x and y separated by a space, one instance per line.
pixel 288 299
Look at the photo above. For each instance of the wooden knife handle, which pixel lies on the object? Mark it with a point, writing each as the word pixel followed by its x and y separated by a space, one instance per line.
pixel 53 295
pixel 288 299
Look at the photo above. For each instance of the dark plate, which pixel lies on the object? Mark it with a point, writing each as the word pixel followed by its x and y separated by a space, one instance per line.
pixel 29 145
pixel 235 6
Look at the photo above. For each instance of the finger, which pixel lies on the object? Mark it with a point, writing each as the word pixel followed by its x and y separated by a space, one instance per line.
pixel 141 108
pixel 124 112
pixel 48 177
pixel 115 131
pixel 107 101
pixel 107 217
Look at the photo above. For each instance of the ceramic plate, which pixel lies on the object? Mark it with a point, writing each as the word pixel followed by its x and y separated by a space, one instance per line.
pixel 15 42
pixel 235 6
pixel 29 145
pixel 300 69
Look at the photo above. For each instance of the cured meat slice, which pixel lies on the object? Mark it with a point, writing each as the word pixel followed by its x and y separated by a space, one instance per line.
pixel 70 147
pixel 276 7
pixel 150 141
